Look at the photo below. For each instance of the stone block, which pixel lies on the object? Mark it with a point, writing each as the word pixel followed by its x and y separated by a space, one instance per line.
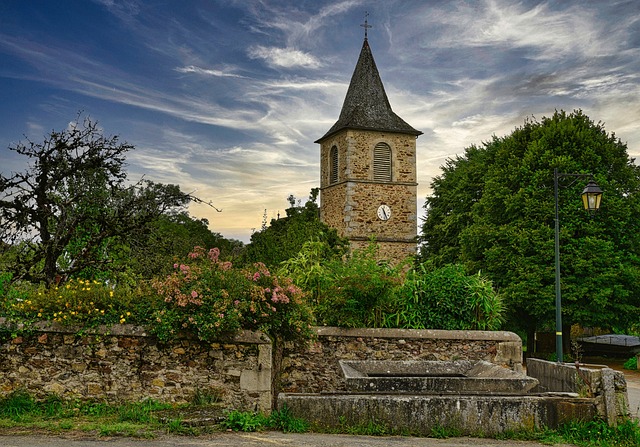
pixel 94 389
pixel 255 381
pixel 78 367
pixel 55 388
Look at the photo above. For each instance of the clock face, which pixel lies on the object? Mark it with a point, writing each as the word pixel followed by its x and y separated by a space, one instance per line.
pixel 384 212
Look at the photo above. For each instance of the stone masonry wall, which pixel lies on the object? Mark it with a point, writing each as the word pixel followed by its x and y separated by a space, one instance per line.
pixel 350 205
pixel 393 251
pixel 316 369
pixel 124 364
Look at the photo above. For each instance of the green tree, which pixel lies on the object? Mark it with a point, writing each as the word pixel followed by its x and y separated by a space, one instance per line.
pixel 284 237
pixel 152 250
pixel 492 210
pixel 65 212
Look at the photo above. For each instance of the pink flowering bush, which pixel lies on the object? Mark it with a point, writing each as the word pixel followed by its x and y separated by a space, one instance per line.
pixel 211 299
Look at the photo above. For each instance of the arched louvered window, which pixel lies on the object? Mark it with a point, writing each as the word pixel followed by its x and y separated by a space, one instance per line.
pixel 382 163
pixel 333 165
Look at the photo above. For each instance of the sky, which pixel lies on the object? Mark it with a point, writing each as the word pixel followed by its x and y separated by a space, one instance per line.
pixel 226 98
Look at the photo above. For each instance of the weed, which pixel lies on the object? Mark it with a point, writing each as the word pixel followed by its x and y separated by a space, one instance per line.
pixel 202 398
pixel 371 428
pixel 94 408
pixel 245 421
pixel 53 406
pixel 443 432
pixel 283 420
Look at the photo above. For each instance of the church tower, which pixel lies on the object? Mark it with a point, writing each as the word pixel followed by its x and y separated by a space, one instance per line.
pixel 368 168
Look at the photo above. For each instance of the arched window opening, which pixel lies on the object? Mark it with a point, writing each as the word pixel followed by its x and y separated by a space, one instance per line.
pixel 333 168
pixel 382 163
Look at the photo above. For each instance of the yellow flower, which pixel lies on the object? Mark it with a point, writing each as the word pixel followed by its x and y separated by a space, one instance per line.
pixel 111 293
pixel 128 314
pixel 122 320
pixel 39 314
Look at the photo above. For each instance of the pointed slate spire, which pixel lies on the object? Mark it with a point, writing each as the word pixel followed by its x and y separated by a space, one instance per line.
pixel 366 105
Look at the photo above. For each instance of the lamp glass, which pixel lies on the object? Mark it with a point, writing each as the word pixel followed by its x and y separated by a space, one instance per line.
pixel 591 197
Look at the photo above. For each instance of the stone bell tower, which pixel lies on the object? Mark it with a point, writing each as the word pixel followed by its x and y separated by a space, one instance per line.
pixel 368 168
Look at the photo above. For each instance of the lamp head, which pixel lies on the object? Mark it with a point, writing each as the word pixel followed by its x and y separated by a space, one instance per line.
pixel 592 197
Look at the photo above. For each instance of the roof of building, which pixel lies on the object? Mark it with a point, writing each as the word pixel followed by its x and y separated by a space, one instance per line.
pixel 366 105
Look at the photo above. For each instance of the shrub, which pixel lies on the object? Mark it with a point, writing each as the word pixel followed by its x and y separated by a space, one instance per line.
pixel 446 298
pixel 211 299
pixel 631 363
pixel 77 302
pixel 356 292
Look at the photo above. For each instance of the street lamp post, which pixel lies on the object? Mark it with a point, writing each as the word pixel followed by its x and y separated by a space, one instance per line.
pixel 591 198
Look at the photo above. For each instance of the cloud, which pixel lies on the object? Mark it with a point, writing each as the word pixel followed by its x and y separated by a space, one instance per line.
pixel 208 72
pixel 283 57
pixel 125 10
pixel 300 27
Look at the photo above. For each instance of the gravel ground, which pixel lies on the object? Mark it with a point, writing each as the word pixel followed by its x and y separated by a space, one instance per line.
pixel 256 439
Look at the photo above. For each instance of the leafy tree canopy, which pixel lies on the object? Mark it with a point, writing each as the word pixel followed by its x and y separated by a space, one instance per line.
pixel 155 248
pixel 284 237
pixel 492 210
pixel 64 213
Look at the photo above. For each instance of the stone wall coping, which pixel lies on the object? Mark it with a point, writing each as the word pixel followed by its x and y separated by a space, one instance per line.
pixel 439 334
pixel 128 330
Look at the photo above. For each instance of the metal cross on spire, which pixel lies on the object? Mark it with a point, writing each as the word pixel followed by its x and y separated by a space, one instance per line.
pixel 366 25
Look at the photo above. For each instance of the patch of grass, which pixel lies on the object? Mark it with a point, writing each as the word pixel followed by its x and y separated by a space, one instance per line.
pixel 140 412
pixel 19 411
pixel 125 429
pixel 371 428
pixel 444 432
pixel 599 434
pixel 177 427
pixel 17 405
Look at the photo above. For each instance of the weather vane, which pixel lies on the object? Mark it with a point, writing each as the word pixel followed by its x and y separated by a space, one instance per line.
pixel 366 25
